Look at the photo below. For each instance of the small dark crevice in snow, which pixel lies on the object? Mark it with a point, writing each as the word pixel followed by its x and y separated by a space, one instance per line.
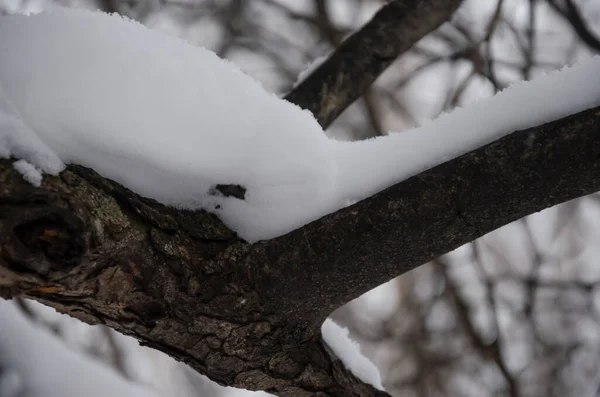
pixel 236 191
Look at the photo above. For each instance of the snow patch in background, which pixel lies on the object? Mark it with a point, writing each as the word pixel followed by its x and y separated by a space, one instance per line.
pixel 11 383
pixel 36 364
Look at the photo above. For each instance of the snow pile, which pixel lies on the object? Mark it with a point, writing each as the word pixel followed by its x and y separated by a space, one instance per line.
pixel 160 116
pixel 347 350
pixel 171 121
pixel 34 363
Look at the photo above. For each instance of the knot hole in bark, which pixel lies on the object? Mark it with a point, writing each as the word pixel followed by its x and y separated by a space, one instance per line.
pixel 56 234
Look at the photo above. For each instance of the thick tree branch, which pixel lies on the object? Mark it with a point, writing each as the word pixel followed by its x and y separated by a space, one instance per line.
pixel 248 315
pixel 176 280
pixel 347 253
pixel 180 281
pixel 363 56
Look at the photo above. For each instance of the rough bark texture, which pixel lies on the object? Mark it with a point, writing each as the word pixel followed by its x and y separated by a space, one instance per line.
pixel 177 281
pixel 349 252
pixel 247 315
pixel 362 57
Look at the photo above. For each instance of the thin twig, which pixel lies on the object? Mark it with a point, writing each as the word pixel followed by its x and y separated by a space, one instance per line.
pixel 363 56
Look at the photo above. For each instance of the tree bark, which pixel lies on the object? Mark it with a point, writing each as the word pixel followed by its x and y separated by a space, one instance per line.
pixel 363 56
pixel 248 315
pixel 178 281
pixel 347 253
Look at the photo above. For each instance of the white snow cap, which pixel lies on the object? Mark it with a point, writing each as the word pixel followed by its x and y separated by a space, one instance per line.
pixel 170 121
pixel 164 118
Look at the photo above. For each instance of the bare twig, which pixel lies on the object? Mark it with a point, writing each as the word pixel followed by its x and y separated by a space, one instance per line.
pixel 571 13
pixel 363 56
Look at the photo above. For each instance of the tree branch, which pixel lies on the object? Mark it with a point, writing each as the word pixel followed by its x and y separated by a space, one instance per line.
pixel 248 315
pixel 180 281
pixel 345 254
pixel 176 280
pixel 363 56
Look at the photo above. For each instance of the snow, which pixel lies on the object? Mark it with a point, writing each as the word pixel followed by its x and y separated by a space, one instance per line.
pixel 11 383
pixel 162 117
pixel 29 172
pixel 170 121
pixel 348 351
pixel 311 67
pixel 36 364
pixel 142 365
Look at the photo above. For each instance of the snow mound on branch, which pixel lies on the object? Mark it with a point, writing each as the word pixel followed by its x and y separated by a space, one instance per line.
pixel 171 121
pixel 164 118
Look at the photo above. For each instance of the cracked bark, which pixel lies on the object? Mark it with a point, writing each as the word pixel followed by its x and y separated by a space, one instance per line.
pixel 177 281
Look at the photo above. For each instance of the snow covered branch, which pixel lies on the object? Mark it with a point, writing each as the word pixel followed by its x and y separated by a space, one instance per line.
pixel 363 56
pixel 134 223
pixel 345 254
pixel 248 314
